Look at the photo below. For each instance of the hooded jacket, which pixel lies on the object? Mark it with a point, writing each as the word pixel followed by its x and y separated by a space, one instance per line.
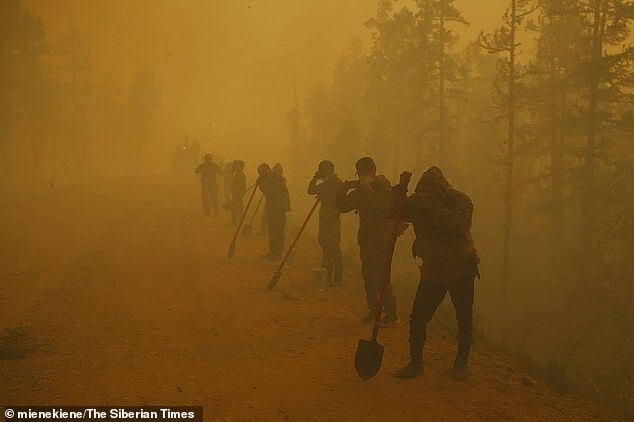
pixel 441 216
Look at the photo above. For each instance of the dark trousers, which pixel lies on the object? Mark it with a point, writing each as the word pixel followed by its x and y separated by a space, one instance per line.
pixel 277 225
pixel 209 198
pixel 330 242
pixel 237 209
pixel 264 223
pixel 428 297
pixel 373 261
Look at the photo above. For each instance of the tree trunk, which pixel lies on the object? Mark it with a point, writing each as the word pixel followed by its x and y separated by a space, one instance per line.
pixel 442 142
pixel 510 159
pixel 587 203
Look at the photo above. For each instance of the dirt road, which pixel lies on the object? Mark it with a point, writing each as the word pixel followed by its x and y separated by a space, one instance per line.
pixel 122 295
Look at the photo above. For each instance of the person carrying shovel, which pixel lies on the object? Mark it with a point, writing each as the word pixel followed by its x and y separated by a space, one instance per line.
pixel 329 234
pixel 441 216
pixel 371 198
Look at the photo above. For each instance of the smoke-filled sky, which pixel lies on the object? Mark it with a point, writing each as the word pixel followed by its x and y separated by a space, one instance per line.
pixel 224 66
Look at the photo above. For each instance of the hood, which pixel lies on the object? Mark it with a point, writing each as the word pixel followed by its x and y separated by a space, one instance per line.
pixel 433 181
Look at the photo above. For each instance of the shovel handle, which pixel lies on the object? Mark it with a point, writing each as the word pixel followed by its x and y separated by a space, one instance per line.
pixel 244 215
pixel 299 233
pixel 257 208
pixel 385 285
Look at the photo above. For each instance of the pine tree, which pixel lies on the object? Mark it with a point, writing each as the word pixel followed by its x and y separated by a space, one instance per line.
pixel 607 78
pixel 504 40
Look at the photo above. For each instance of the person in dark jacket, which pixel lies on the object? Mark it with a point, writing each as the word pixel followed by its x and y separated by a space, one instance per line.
pixel 371 199
pixel 329 220
pixel 238 189
pixel 441 216
pixel 209 172
pixel 272 183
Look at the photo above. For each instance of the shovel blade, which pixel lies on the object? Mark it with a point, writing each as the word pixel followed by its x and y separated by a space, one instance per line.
pixel 247 230
pixel 232 249
pixel 274 280
pixel 367 360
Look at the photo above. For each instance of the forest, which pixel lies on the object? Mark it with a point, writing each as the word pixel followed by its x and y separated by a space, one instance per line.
pixel 534 119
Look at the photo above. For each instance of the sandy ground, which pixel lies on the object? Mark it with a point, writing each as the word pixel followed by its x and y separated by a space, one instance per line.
pixel 123 295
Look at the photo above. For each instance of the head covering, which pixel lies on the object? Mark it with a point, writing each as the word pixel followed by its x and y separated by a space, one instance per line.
pixel 277 169
pixel 365 166
pixel 433 181
pixel 325 167
pixel 238 165
pixel 264 169
pixel 208 157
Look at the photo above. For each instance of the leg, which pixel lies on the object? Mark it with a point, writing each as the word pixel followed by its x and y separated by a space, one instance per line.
pixel 214 200
pixel 428 297
pixel 264 224
pixel 462 294
pixel 277 222
pixel 323 243
pixel 370 284
pixel 337 256
pixel 270 228
pixel 204 198
pixel 282 233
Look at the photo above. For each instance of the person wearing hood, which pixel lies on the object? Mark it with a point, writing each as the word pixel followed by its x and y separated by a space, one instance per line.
pixel 272 183
pixel 209 172
pixel 329 234
pixel 441 217
pixel 370 198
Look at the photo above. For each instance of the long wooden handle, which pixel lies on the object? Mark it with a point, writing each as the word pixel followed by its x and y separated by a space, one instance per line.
pixel 244 215
pixel 301 229
pixel 385 284
pixel 257 208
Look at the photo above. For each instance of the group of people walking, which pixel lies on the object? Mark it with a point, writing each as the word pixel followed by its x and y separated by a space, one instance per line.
pixel 441 220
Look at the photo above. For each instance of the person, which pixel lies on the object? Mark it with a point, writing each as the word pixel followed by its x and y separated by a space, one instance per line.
pixel 238 190
pixel 209 171
pixel 272 183
pixel 371 198
pixel 441 216
pixel 329 233
pixel 227 178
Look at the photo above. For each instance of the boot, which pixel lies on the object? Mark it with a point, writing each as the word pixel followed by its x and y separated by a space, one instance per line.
pixel 412 370
pixel 459 372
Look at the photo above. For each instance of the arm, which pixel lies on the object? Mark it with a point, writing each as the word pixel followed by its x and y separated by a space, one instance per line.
pixel 198 169
pixel 312 187
pixel 347 202
pixel 409 208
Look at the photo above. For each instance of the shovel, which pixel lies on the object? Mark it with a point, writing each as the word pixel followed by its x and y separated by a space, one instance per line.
pixel 232 247
pixel 369 355
pixel 278 273
pixel 247 230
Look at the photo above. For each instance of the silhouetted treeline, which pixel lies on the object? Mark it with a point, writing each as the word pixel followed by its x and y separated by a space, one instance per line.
pixel 536 121
pixel 57 121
